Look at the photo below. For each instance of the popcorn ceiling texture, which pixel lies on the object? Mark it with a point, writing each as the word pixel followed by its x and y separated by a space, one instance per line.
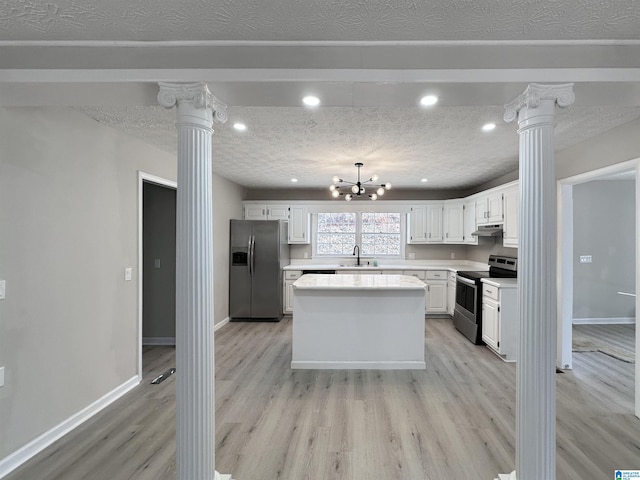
pixel 348 20
pixel 401 145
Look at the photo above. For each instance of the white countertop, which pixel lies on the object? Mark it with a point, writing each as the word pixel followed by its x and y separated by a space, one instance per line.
pixel 451 266
pixel 502 282
pixel 358 282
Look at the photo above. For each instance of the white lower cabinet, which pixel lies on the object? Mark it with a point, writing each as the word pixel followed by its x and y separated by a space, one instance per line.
pixel 451 292
pixel 290 276
pixel 436 301
pixel 500 323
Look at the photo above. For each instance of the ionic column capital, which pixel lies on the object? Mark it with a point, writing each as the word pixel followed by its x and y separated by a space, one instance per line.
pixel 536 94
pixel 196 94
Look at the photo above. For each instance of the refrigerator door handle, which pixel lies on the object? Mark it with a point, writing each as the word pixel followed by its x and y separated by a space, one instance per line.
pixel 249 262
pixel 253 255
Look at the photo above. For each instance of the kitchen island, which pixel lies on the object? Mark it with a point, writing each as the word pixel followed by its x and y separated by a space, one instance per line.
pixel 358 322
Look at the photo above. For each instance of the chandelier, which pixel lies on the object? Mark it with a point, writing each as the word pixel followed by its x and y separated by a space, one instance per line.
pixel 357 188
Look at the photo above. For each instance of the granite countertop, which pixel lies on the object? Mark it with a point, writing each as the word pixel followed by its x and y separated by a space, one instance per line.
pixel 452 266
pixel 502 282
pixel 358 282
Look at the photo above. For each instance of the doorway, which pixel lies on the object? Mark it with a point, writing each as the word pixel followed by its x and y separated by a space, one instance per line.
pixel 156 262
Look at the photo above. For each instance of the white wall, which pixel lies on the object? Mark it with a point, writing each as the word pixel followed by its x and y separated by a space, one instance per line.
pixel 68 217
pixel 604 227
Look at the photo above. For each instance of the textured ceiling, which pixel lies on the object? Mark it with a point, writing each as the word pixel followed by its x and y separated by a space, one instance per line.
pixel 168 20
pixel 402 145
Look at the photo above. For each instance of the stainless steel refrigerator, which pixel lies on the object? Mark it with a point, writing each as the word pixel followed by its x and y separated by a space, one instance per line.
pixel 259 251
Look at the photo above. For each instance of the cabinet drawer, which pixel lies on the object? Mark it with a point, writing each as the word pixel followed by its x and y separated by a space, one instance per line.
pixel 452 277
pixel 415 273
pixel 292 274
pixel 436 275
pixel 491 291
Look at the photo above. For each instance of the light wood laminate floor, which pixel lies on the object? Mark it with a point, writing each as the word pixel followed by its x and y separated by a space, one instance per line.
pixel 455 420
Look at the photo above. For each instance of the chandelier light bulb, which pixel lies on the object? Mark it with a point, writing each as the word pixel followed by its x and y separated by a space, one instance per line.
pixel 348 197
pixel 355 189
pixel 336 179
pixel 335 194
pixel 387 186
pixel 374 196
pixel 374 178
pixel 332 187
pixel 380 191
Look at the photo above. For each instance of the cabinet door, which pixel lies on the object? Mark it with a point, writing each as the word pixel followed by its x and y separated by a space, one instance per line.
pixel 511 207
pixel 288 296
pixel 454 223
pixel 299 225
pixel 417 223
pixel 481 211
pixel 436 301
pixel 434 223
pixel 470 225
pixel 494 206
pixel 277 212
pixel 255 212
pixel 490 322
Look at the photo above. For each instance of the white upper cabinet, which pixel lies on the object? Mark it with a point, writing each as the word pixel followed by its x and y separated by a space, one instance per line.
pixel 299 225
pixel 434 223
pixel 453 222
pixel 417 224
pixel 511 216
pixel 470 225
pixel 489 209
pixel 256 211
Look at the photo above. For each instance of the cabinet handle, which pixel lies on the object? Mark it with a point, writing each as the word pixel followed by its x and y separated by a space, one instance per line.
pixel 263 212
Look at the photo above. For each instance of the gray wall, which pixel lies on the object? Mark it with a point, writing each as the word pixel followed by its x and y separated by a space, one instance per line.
pixel 158 244
pixel 69 223
pixel 604 227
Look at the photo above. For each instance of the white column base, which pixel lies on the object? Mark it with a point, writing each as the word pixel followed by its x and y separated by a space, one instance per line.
pixel 507 476
pixel 222 476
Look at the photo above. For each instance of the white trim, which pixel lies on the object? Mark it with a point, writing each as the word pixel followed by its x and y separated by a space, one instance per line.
pixel 564 350
pixel 390 365
pixel 144 177
pixel 35 446
pixel 158 340
pixel 604 321
pixel 220 324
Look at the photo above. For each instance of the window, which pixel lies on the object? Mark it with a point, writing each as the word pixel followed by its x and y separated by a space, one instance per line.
pixel 377 234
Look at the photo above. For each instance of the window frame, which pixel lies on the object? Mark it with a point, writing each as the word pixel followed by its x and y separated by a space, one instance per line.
pixel 358 213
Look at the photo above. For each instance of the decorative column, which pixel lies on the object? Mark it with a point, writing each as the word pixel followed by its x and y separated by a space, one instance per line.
pixel 535 392
pixel 195 362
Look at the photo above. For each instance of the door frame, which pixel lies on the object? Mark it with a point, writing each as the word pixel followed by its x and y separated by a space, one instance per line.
pixel 565 264
pixel 144 177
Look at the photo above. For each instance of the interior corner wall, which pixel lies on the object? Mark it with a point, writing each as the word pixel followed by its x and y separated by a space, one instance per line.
pixel 227 205
pixel 69 223
pixel 604 228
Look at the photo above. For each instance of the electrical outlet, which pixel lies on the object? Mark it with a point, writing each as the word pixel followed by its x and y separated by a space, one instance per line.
pixel 1 376
pixel 306 255
pixel 585 259
pixel 156 263
pixel 127 274
pixel 412 255
pixel 453 255
pixel 3 286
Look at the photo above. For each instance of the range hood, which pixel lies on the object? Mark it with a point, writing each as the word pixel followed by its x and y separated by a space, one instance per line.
pixel 488 231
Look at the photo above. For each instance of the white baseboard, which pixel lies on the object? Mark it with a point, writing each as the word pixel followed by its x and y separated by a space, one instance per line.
pixel 158 340
pixel 221 324
pixel 341 365
pixel 602 321
pixel 24 453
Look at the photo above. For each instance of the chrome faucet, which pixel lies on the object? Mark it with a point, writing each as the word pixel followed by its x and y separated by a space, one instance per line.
pixel 354 252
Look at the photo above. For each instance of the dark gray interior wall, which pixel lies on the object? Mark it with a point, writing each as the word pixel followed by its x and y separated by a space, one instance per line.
pixel 489 246
pixel 604 227
pixel 324 194
pixel 158 261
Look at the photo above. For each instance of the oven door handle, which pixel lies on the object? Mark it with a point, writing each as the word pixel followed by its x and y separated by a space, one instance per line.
pixel 466 281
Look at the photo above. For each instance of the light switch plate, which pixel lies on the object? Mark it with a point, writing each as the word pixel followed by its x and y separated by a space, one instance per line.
pixel 156 263
pixel 127 274
pixel 1 376
pixel 585 259
pixel 3 286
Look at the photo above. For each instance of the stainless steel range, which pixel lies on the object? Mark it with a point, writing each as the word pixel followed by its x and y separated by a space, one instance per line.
pixel 467 315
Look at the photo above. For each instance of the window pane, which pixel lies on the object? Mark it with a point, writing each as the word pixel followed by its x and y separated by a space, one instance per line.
pixel 336 233
pixel 380 233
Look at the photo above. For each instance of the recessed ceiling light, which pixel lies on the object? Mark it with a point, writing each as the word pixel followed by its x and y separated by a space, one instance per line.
pixel 311 101
pixel 429 100
pixel 241 127
pixel 294 180
pixel 487 127
pixel 424 180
